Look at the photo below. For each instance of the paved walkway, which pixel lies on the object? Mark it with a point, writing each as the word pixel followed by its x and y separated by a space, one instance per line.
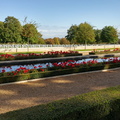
pixel 22 95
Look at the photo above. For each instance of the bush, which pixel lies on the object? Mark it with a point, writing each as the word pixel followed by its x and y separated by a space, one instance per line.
pixel 97 105
pixel 91 53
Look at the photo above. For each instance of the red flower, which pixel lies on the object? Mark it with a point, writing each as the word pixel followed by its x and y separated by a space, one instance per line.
pixel 26 71
pixel 35 67
pixel 15 73
pixel 42 70
pixel 3 71
pixel 39 66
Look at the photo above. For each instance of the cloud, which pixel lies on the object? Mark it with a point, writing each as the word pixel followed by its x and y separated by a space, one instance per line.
pixel 53 31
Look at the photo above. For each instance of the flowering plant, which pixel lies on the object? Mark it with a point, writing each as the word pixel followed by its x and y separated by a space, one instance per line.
pixel 40 55
pixel 70 64
pixel 95 51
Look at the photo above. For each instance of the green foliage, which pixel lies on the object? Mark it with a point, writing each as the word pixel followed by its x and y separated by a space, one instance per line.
pixel 82 34
pixel 1 31
pixel 97 35
pixel 109 35
pixel 12 30
pixel 30 34
pixel 96 105
pixel 86 34
pixel 40 39
pixel 56 40
pixel 72 34
pixel 49 41
pixel 64 41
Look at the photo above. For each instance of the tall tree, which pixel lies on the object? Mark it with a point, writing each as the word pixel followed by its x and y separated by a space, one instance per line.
pixel 85 34
pixel 30 34
pixel 56 40
pixel 13 30
pixel 81 34
pixel 1 31
pixel 72 34
pixel 109 35
pixel 97 35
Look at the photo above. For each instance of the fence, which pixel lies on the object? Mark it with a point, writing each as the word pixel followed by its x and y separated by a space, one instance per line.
pixel 49 47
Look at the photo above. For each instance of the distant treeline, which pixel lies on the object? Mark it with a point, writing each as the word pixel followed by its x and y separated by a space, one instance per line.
pixel 11 31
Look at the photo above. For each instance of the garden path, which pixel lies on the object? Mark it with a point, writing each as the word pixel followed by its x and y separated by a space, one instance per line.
pixel 22 95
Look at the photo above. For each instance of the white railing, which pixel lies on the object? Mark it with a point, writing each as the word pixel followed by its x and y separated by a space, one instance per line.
pixel 50 45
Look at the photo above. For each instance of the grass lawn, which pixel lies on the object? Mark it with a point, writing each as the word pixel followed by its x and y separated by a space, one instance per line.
pixel 92 49
pixel 21 52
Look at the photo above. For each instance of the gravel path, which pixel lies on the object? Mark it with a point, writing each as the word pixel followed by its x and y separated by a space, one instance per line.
pixel 22 95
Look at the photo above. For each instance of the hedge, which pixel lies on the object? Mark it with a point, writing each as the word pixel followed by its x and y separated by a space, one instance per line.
pixel 35 75
pixel 97 105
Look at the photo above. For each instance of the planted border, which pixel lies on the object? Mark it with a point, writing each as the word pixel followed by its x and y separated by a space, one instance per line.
pixel 35 75
pixel 50 54
pixel 105 51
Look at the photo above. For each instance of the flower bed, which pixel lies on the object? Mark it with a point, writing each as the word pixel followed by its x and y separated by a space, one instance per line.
pixel 4 57
pixel 106 51
pixel 67 67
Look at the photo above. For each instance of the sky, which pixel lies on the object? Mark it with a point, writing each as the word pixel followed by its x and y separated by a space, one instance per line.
pixel 55 17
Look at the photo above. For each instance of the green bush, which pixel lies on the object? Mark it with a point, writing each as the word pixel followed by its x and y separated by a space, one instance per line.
pixel 97 105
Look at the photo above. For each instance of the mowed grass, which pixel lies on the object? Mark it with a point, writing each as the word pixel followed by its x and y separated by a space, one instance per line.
pixel 21 52
pixel 95 49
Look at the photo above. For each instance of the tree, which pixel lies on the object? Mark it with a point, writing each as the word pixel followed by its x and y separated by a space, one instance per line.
pixel 64 41
pixel 56 40
pixel 72 34
pixel 1 31
pixel 49 41
pixel 109 35
pixel 7 36
pixel 81 34
pixel 97 35
pixel 13 30
pixel 85 34
pixel 40 39
pixel 30 34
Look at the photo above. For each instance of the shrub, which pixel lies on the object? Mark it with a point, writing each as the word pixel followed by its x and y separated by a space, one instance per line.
pixel 97 105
